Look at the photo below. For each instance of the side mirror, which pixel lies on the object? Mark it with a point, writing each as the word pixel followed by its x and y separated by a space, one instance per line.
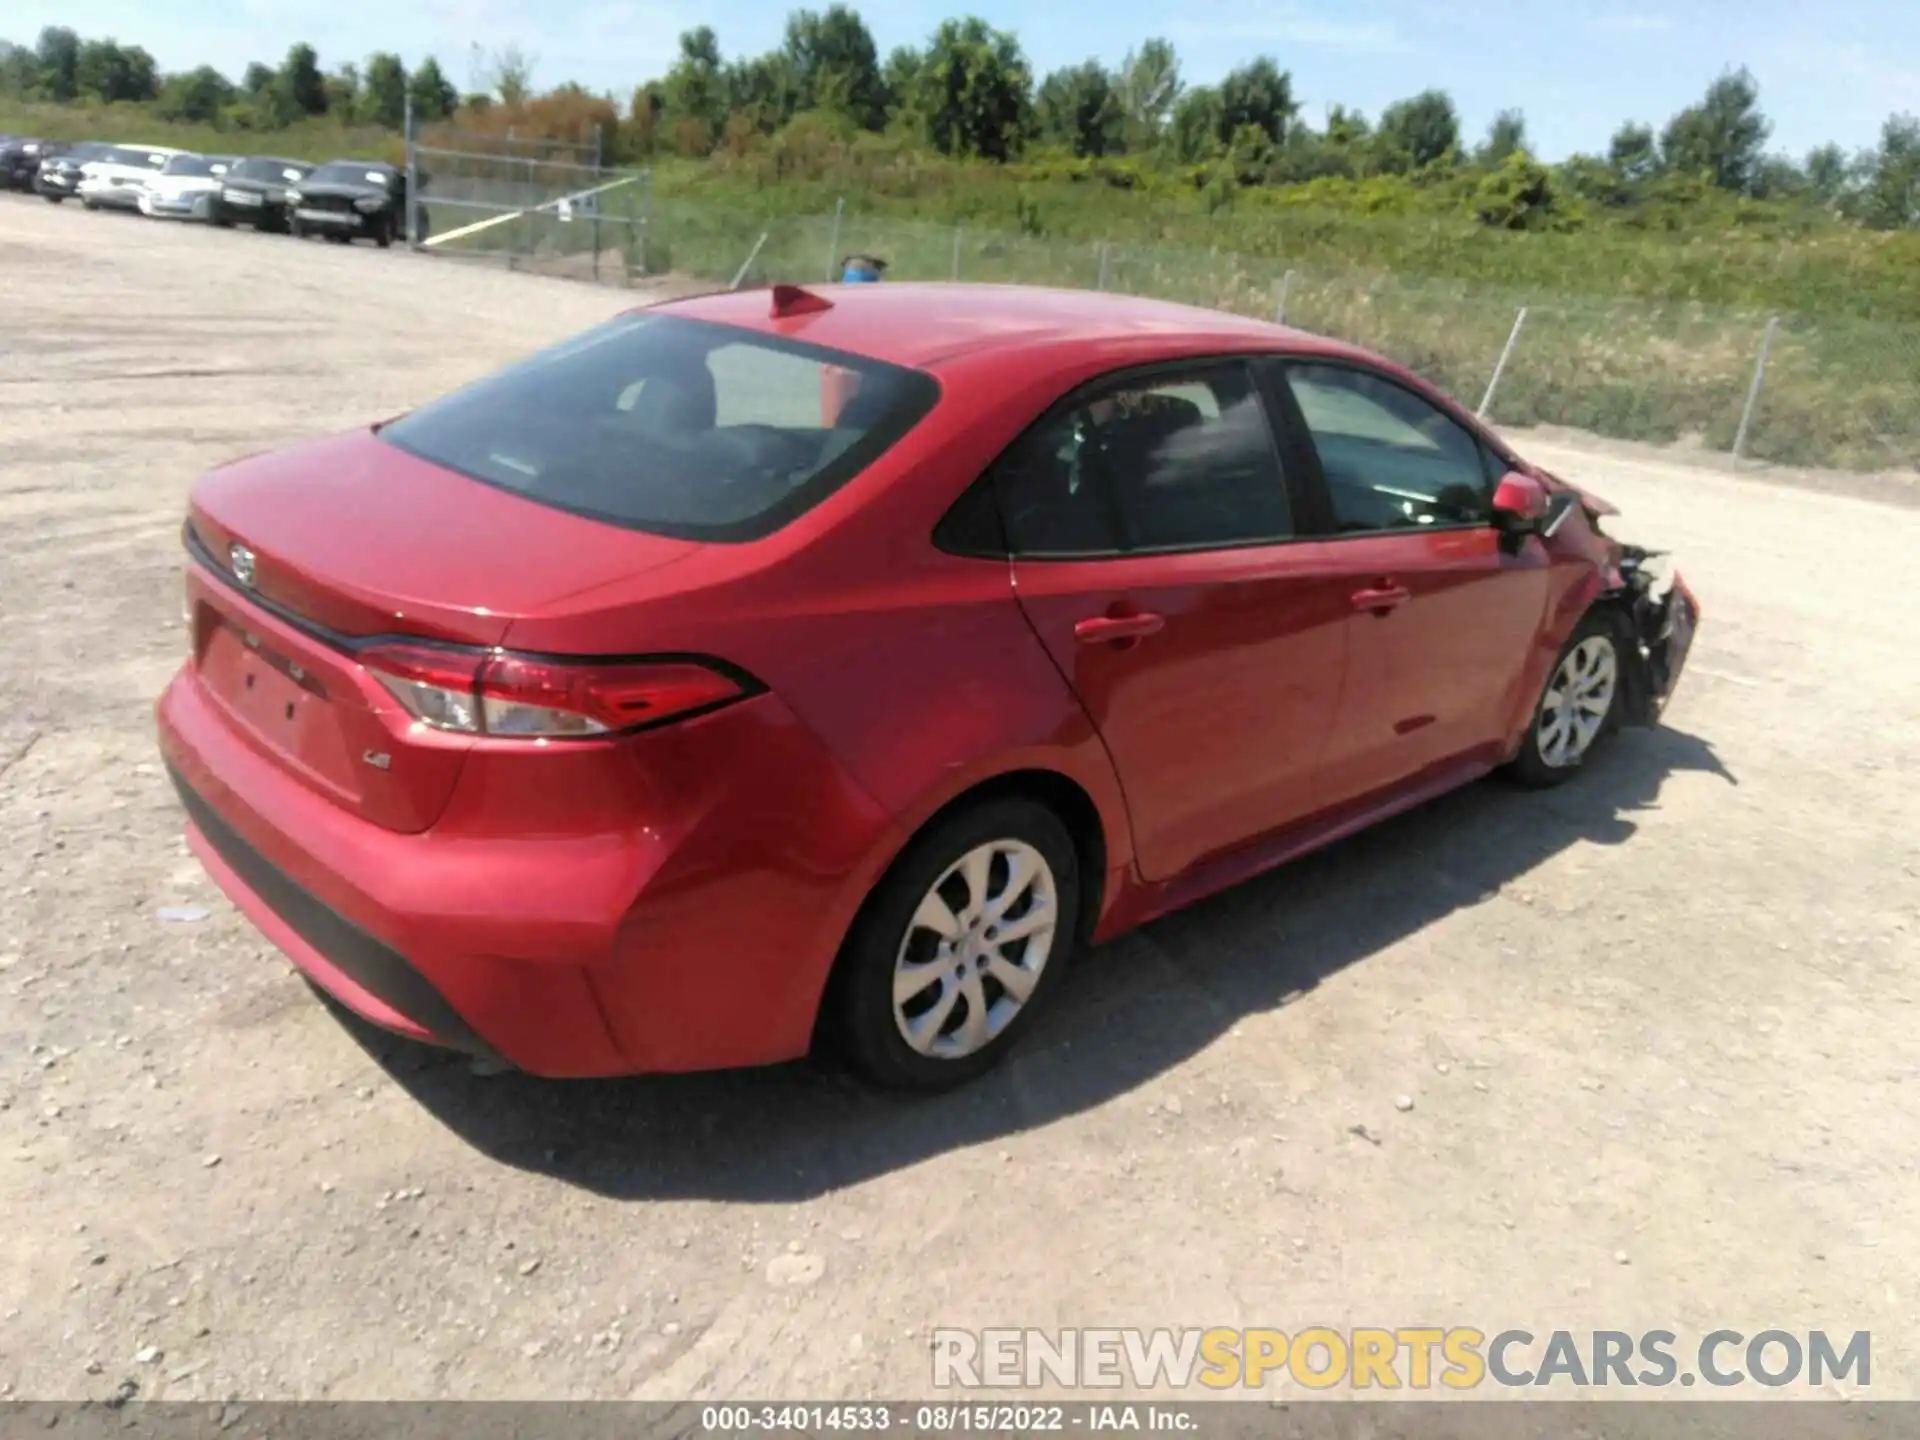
pixel 1519 503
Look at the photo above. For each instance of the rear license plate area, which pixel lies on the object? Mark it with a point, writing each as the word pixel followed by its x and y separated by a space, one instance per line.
pixel 273 694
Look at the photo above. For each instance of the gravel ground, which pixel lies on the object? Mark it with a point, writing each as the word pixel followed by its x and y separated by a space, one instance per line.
pixel 1656 1028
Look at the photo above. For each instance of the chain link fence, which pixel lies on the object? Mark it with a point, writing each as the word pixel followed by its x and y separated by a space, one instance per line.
pixel 1801 390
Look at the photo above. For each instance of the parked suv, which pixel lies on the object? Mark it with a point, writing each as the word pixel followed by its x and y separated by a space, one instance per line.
pixel 255 192
pixel 117 179
pixel 186 189
pixel 58 177
pixel 346 199
pixel 19 159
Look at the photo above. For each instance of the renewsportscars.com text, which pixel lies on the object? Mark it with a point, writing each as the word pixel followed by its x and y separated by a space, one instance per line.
pixel 1401 1358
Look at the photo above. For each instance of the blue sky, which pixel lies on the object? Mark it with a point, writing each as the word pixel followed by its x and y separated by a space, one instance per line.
pixel 1828 69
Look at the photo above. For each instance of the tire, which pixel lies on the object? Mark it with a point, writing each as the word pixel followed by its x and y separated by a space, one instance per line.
pixel 336 239
pixel 1564 731
pixel 941 869
pixel 296 230
pixel 383 237
pixel 87 204
pixel 52 199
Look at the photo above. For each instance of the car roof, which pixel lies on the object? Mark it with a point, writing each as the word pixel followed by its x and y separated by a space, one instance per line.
pixel 927 325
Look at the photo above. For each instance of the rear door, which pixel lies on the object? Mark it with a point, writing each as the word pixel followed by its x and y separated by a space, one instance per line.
pixel 1442 607
pixel 1157 555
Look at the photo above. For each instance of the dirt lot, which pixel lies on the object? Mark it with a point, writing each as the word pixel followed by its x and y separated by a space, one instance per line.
pixel 1658 1027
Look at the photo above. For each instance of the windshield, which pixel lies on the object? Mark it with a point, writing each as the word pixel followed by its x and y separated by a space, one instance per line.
pixel 195 165
pixel 138 159
pixel 673 426
pixel 348 172
pixel 81 153
pixel 259 167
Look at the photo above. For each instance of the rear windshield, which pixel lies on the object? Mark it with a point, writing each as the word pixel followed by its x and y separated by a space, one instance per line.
pixel 674 426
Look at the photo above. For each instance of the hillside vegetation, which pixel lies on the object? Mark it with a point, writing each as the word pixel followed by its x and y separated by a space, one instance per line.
pixel 1649 268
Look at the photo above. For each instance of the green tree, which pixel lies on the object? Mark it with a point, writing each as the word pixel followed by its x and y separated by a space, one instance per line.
pixel 115 72
pixel 1507 134
pixel 300 81
pixel 433 96
pixel 19 70
pixel 901 78
pixel 1259 94
pixel 1828 174
pixel 1148 86
pixel 695 87
pixel 1517 194
pixel 343 91
pixel 1777 177
pixel 1631 152
pixel 384 96
pixel 762 90
pixel 835 67
pixel 1417 132
pixel 1193 135
pixel 1348 129
pixel 198 95
pixel 258 78
pixel 510 75
pixel 58 52
pixel 1588 177
pixel 1078 108
pixel 1722 136
pixel 1890 199
pixel 976 90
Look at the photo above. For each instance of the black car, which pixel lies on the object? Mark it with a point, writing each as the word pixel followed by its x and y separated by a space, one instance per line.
pixel 58 177
pixel 254 192
pixel 20 157
pixel 344 199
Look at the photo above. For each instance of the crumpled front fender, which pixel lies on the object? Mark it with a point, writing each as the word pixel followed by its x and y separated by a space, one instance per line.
pixel 1657 625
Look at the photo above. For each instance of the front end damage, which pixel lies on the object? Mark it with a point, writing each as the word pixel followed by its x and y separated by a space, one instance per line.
pixel 1658 616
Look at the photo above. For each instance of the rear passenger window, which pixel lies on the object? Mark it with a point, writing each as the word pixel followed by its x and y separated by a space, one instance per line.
pixel 1170 462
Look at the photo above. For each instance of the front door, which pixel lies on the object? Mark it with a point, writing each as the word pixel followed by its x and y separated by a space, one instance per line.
pixel 1442 607
pixel 1156 557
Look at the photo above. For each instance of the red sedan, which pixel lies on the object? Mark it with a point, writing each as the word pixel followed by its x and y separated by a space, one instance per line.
pixel 767 669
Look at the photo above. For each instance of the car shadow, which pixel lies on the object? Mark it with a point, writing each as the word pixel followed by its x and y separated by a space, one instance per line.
pixel 1130 1011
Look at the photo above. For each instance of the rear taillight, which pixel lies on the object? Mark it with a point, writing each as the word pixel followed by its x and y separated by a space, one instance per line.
pixel 494 692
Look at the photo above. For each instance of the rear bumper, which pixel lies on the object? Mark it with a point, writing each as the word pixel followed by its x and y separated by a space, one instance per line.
pixel 371 979
pixel 673 905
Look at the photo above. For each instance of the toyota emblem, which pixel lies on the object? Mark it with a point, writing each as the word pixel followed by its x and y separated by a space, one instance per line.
pixel 242 559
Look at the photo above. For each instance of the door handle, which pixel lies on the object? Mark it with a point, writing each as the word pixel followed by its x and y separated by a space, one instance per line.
pixel 1381 598
pixel 1100 629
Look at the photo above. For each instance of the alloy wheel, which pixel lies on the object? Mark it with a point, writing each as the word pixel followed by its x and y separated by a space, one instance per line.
pixel 1578 700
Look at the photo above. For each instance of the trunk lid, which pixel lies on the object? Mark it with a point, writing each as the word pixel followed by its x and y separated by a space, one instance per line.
pixel 307 551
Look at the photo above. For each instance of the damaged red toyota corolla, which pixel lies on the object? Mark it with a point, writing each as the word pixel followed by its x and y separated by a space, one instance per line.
pixel 759 670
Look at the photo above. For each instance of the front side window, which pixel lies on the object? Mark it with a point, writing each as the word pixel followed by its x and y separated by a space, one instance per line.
pixel 1166 462
pixel 673 426
pixel 1392 460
